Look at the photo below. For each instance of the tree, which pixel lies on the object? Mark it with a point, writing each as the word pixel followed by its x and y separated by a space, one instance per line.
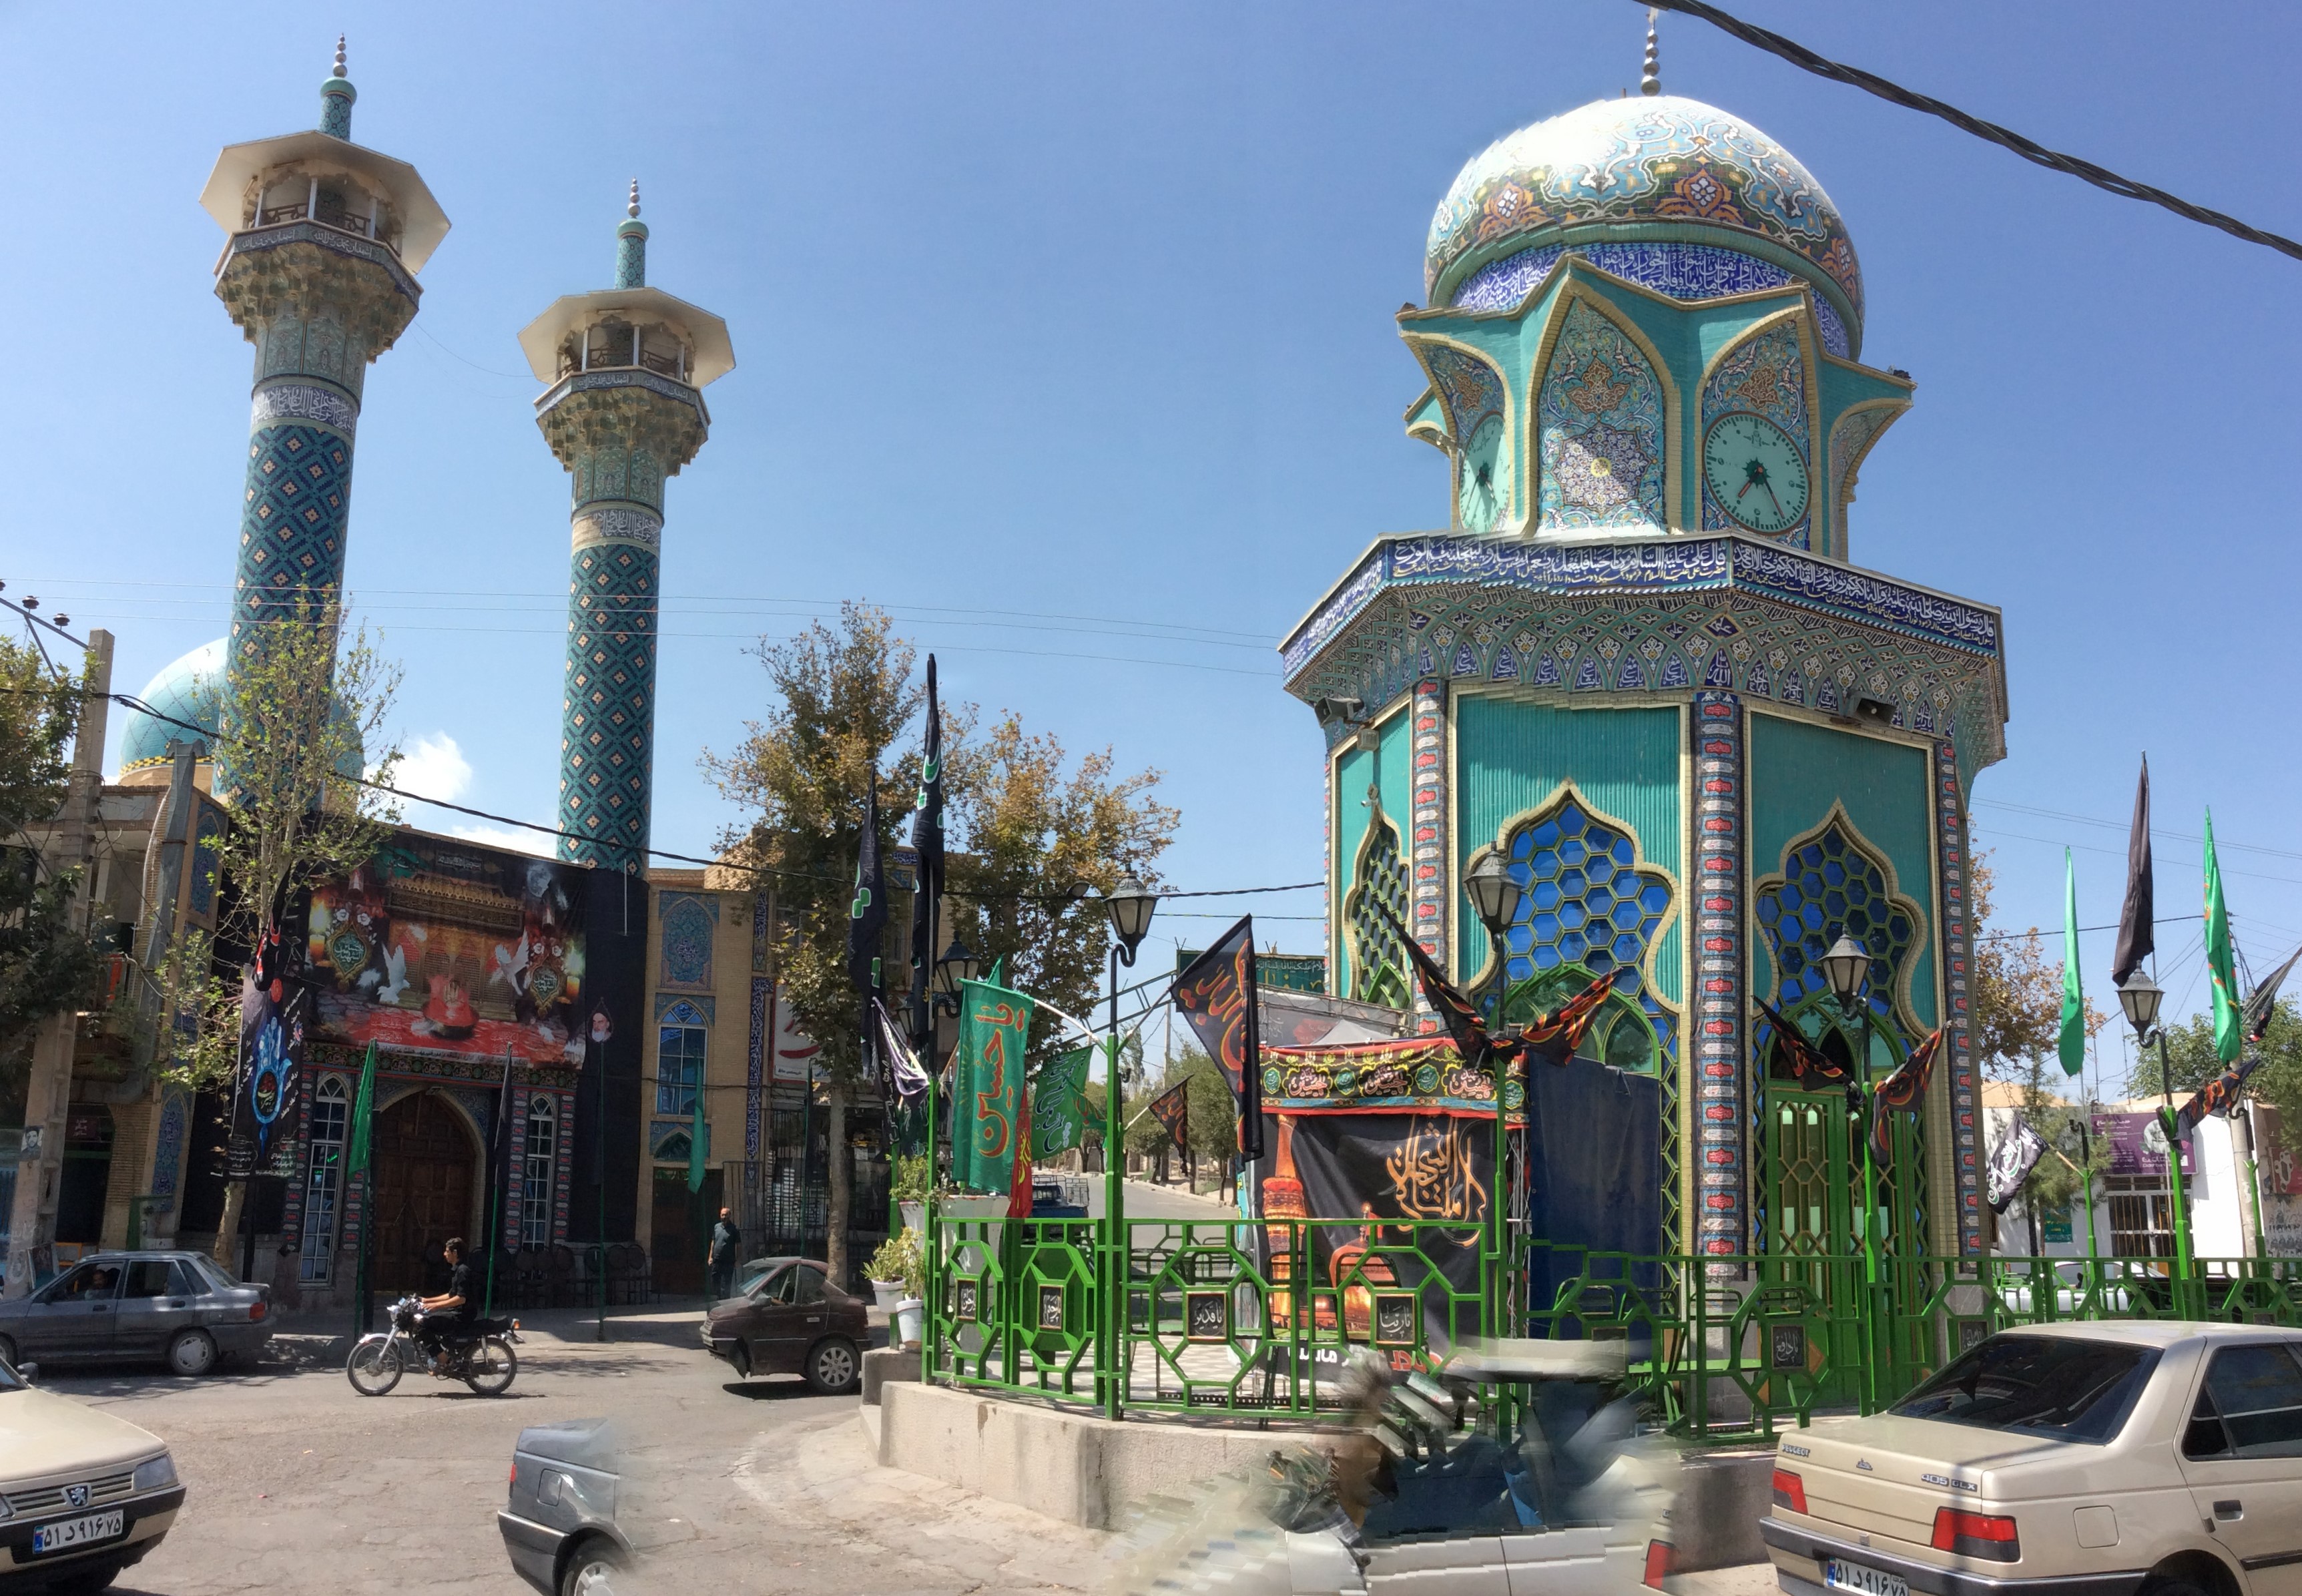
pixel 2193 1061
pixel 47 965
pixel 1026 840
pixel 1213 1114
pixel 2017 994
pixel 1042 850
pixel 300 714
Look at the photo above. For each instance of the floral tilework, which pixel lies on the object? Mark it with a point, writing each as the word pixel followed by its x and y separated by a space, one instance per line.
pixel 689 921
pixel 1600 416
pixel 292 525
pixel 1687 272
pixel 1471 390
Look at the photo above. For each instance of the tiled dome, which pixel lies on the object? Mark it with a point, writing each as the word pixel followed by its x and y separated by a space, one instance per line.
pixel 1655 168
pixel 191 690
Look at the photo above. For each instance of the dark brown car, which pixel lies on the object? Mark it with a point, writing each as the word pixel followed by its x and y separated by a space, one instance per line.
pixel 792 1322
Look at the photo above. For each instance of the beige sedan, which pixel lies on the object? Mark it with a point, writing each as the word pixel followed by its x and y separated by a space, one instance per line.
pixel 82 1494
pixel 2101 1459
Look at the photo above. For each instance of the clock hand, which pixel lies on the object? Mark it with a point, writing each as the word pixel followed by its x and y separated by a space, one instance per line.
pixel 1770 493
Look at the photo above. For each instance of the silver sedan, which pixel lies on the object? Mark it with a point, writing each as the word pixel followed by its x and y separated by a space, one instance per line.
pixel 135 1307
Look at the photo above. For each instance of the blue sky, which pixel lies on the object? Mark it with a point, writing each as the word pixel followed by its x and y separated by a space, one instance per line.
pixel 1065 333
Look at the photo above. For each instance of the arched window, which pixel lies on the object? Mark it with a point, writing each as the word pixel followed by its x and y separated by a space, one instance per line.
pixel 537 1168
pixel 1831 885
pixel 1379 972
pixel 324 1181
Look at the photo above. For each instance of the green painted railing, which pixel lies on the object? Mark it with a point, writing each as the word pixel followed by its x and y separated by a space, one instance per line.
pixel 1252 1319
pixel 1732 1347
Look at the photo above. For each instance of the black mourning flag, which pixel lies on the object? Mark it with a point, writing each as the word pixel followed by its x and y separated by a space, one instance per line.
pixel 2137 935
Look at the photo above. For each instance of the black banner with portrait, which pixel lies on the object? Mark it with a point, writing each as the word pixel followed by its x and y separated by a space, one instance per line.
pixel 1380 1166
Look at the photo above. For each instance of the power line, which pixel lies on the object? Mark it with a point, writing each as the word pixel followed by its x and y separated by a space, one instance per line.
pixel 2029 149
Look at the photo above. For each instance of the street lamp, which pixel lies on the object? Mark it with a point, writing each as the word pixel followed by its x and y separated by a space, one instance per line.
pixel 958 964
pixel 1130 904
pixel 1847 968
pixel 1494 896
pixel 2140 997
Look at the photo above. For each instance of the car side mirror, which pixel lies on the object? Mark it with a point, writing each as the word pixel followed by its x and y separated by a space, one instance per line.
pixel 30 1374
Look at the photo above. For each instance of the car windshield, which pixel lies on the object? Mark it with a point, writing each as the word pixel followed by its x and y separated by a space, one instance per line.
pixel 2062 1388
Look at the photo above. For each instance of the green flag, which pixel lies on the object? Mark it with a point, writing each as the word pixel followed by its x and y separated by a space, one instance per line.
pixel 698 1144
pixel 2230 1027
pixel 362 1112
pixel 2074 1030
pixel 988 1100
pixel 1059 1105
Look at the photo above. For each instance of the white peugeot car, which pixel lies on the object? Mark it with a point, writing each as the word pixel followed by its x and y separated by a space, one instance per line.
pixel 82 1494
pixel 2133 1458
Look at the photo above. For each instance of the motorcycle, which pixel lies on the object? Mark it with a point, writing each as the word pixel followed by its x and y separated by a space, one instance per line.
pixel 480 1354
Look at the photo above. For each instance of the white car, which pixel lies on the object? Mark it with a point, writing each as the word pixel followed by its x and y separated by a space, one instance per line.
pixel 82 1494
pixel 2115 1459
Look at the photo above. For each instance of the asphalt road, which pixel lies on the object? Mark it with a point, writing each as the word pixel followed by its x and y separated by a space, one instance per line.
pixel 295 1483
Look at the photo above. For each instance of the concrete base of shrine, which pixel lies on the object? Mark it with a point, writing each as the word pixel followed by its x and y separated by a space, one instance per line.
pixel 1088 1471
pixel 1081 1470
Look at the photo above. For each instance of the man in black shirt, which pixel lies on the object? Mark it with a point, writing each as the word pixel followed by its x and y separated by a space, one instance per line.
pixel 451 1311
pixel 726 1250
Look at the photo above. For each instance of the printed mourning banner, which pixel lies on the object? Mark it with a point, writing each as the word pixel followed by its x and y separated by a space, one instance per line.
pixel 1216 994
pixel 990 1096
pixel 1059 1105
pixel 1173 1109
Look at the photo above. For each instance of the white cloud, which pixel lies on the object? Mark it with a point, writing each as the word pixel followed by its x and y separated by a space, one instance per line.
pixel 537 843
pixel 434 768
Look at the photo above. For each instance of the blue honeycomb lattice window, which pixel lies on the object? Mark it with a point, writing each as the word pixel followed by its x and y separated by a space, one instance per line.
pixel 1830 886
pixel 1378 882
pixel 1588 907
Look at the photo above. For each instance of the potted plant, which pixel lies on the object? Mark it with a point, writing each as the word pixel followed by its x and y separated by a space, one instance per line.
pixel 911 1182
pixel 892 1269
pixel 910 1311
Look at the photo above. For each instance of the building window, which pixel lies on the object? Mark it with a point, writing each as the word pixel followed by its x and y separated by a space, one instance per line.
pixel 2141 1216
pixel 678 1068
pixel 536 1174
pixel 1373 912
pixel 330 1110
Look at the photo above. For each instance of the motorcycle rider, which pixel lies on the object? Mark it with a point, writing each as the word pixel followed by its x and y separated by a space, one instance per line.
pixel 450 1312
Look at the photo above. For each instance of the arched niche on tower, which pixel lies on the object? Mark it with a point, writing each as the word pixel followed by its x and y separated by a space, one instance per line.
pixel 1604 431
pixel 1758 400
pixel 1476 402
pixel 1853 433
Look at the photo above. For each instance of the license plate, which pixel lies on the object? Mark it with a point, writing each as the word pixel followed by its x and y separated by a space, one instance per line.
pixel 1867 1582
pixel 80 1532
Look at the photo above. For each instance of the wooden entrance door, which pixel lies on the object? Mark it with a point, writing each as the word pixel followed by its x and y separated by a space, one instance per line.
pixel 425 1161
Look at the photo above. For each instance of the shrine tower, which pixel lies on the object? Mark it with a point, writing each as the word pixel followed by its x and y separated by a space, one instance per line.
pixel 319 273
pixel 1640 662
pixel 623 412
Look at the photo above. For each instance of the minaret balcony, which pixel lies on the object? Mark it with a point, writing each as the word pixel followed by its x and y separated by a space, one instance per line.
pixel 342 217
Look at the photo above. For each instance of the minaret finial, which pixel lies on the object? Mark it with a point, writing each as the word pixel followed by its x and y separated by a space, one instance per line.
pixel 631 244
pixel 1650 80
pixel 336 98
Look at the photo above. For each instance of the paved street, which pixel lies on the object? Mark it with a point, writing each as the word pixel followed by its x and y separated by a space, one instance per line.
pixel 297 1484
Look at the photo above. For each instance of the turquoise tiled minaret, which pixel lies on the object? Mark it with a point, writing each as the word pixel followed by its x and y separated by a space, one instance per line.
pixel 320 275
pixel 623 412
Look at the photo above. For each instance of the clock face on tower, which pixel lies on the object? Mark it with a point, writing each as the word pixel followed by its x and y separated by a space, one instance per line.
pixel 1479 499
pixel 1756 472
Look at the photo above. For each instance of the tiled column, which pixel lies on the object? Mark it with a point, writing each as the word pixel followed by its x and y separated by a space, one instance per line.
pixel 1957 942
pixel 1432 876
pixel 1721 1128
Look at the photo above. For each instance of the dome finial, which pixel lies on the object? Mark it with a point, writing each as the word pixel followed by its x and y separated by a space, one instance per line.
pixel 631 244
pixel 336 98
pixel 633 208
pixel 1650 80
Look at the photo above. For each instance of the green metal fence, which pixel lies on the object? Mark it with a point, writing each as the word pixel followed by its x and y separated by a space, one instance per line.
pixel 1248 1318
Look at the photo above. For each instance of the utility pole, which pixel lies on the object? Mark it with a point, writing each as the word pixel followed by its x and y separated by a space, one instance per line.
pixel 32 1224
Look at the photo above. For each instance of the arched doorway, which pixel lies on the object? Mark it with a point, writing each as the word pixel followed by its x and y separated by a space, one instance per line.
pixel 426 1161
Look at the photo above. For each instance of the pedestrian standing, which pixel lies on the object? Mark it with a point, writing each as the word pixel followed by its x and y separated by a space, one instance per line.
pixel 727 1252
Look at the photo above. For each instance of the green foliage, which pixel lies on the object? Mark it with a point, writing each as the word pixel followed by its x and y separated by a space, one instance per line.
pixel 911 1179
pixel 899 1258
pixel 2065 1176
pixel 1213 1127
pixel 2193 1061
pixel 45 965
pixel 2017 989
pixel 302 703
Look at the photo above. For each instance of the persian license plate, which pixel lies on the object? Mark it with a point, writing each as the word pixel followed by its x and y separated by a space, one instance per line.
pixel 1866 1582
pixel 79 1532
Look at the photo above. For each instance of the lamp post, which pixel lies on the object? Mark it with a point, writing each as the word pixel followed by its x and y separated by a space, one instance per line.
pixel 1130 904
pixel 1847 968
pixel 957 964
pixel 2140 997
pixel 1495 897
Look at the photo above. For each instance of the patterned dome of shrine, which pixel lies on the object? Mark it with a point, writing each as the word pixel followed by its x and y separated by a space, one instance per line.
pixel 1670 187
pixel 190 690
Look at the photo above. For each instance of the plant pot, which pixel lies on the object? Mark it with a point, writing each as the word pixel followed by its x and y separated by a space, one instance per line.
pixel 908 1312
pixel 915 1215
pixel 887 1294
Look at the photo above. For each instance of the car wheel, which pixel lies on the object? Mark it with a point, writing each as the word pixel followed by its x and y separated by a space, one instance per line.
pixel 741 1357
pixel 193 1353
pixel 7 1352
pixel 831 1368
pixel 2173 1587
pixel 593 1570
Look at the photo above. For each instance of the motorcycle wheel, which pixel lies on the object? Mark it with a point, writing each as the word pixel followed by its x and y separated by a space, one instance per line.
pixel 375 1367
pixel 490 1366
